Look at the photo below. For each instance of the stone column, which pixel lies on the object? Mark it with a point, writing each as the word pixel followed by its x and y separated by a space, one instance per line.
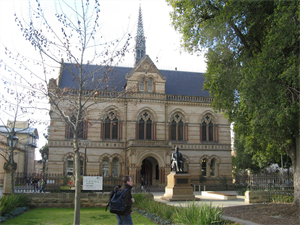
pixel 7 178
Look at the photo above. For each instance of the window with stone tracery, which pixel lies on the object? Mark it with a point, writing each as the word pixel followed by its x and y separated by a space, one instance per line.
pixel 145 127
pixel 177 128
pixel 111 126
pixel 208 130
pixel 146 84
pixel 81 129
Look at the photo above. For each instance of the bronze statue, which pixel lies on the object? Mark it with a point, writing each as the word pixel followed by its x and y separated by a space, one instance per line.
pixel 177 161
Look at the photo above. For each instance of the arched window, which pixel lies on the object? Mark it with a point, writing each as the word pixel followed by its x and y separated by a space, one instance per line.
pixel 105 167
pixel 208 131
pixel 81 129
pixel 213 167
pixel 115 167
pixel 177 128
pixel 70 166
pixel 111 126
pixel 141 84
pixel 204 166
pixel 145 127
pixel 149 85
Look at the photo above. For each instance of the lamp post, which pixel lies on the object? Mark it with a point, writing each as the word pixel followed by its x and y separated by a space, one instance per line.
pixel 85 143
pixel 10 166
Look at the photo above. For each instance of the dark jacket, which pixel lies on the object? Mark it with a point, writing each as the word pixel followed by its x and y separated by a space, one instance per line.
pixel 127 199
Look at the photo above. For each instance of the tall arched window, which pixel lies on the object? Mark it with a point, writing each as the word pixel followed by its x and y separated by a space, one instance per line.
pixel 81 129
pixel 145 127
pixel 204 167
pixel 177 128
pixel 105 167
pixel 111 126
pixel 115 167
pixel 208 130
pixel 213 167
pixel 149 85
pixel 70 166
pixel 142 84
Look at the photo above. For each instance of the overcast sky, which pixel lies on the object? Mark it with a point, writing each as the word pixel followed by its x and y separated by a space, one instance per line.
pixel 116 17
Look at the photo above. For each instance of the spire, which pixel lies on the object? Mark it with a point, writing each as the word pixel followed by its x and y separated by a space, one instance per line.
pixel 140 42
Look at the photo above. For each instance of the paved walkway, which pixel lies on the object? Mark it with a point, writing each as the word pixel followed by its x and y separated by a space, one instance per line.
pixel 210 200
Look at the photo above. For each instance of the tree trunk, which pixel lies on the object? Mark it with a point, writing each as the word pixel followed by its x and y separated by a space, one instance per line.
pixel 296 167
pixel 77 189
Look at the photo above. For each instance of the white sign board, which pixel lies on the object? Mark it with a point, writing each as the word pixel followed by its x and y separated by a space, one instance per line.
pixel 92 183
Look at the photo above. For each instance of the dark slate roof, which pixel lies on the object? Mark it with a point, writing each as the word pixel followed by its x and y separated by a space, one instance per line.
pixel 178 82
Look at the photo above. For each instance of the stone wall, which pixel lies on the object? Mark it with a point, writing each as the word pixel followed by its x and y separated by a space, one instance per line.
pixel 256 196
pixel 66 200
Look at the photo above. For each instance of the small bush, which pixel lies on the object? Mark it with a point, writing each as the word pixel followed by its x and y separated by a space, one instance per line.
pixel 10 202
pixel 195 214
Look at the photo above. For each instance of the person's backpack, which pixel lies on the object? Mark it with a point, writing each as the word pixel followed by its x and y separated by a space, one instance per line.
pixel 116 203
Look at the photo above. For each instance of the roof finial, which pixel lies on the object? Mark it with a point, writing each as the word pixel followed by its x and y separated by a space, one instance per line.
pixel 140 42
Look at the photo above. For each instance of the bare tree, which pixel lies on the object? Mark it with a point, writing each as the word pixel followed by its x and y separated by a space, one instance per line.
pixel 72 44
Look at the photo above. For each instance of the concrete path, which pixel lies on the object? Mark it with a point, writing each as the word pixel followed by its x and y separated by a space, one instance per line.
pixel 210 200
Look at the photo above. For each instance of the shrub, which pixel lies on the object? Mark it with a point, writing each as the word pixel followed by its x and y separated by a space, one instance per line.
pixel 195 214
pixel 10 202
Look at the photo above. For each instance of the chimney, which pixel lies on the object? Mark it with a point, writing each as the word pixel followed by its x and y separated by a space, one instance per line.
pixel 175 68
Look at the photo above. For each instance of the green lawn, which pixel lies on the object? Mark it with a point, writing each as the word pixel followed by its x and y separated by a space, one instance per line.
pixel 65 216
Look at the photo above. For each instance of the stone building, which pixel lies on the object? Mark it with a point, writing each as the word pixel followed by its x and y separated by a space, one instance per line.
pixel 27 143
pixel 134 127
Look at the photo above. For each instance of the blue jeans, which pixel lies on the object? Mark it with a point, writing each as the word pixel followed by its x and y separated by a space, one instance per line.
pixel 124 219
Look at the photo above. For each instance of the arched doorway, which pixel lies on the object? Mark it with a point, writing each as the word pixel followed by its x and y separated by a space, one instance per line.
pixel 149 170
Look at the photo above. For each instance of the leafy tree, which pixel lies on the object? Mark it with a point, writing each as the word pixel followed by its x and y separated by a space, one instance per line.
pixel 71 42
pixel 252 68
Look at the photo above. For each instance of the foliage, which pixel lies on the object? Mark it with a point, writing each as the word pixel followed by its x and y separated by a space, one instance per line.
pixel 252 69
pixel 195 214
pixel 202 179
pixel 96 215
pixel 282 198
pixel 10 202
pixel 192 214
pixel 223 180
pixel 66 179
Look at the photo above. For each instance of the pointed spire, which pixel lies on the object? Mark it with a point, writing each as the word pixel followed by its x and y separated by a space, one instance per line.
pixel 140 42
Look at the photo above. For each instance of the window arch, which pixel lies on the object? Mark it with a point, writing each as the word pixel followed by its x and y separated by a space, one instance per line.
pixel 204 167
pixel 142 84
pixel 208 129
pixel 115 167
pixel 111 127
pixel 145 127
pixel 178 131
pixel 213 168
pixel 81 130
pixel 150 85
pixel 70 166
pixel 105 167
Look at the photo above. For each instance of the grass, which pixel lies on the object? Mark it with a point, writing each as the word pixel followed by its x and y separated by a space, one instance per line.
pixel 11 202
pixel 64 216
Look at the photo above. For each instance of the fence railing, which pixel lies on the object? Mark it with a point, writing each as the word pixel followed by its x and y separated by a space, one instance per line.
pixel 54 182
pixel 265 181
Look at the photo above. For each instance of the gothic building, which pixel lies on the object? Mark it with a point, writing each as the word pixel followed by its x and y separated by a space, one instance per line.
pixel 135 133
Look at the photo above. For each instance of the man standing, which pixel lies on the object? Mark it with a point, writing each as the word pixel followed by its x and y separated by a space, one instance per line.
pixel 125 217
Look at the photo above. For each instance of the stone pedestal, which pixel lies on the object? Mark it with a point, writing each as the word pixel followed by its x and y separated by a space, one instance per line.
pixel 7 183
pixel 179 188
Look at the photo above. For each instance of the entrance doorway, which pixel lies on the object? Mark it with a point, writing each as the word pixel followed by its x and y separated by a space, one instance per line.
pixel 149 170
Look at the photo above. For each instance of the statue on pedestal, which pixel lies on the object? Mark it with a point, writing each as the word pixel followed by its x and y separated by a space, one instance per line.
pixel 177 161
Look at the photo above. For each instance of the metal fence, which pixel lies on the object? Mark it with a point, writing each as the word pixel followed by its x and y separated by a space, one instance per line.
pixel 265 181
pixel 62 182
